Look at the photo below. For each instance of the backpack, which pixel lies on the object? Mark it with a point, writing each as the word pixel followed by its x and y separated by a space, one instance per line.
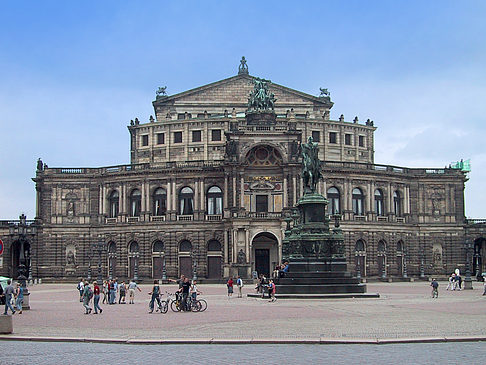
pixel 90 293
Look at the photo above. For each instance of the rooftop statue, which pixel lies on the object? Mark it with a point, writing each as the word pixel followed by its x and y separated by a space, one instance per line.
pixel 324 93
pixel 162 91
pixel 311 170
pixel 243 67
pixel 261 99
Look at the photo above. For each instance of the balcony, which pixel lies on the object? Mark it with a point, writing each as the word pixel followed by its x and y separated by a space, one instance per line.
pixel 133 219
pixel 260 215
pixel 157 218
pixel 185 217
pixel 213 217
pixel 381 218
pixel 360 218
pixel 111 220
pixel 400 220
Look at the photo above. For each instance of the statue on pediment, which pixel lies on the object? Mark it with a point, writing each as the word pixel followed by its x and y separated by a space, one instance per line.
pixel 243 67
pixel 261 99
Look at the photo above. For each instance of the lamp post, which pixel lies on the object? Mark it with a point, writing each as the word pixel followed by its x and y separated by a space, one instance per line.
pixel 468 280
pixel 422 266
pixel 358 267
pixel 383 271
pixel 164 270
pixel 135 267
pixel 405 263
pixel 194 265
pixel 98 247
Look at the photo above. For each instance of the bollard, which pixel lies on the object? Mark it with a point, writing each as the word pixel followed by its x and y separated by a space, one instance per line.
pixel 6 324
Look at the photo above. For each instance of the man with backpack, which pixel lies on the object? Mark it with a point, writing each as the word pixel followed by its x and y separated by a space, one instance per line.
pixel 87 295
pixel 81 289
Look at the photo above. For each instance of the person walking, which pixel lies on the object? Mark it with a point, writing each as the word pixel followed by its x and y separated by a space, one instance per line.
pixel 155 296
pixel 9 291
pixel 271 291
pixel 435 288
pixel 131 290
pixel 115 286
pixel 239 284
pixel 111 291
pixel 96 299
pixel 229 285
pixel 19 295
pixel 87 295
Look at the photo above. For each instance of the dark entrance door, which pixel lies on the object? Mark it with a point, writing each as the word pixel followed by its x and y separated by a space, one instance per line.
pixel 400 265
pixel 133 262
pixel 381 265
pixel 185 266
pixel 214 267
pixel 361 260
pixel 157 267
pixel 262 261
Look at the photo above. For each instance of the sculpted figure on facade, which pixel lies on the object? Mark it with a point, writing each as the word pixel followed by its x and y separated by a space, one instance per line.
pixel 311 170
pixel 241 258
pixel 261 99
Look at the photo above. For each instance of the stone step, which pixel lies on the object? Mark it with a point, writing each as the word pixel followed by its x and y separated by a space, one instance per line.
pixel 318 274
pixel 317 281
pixel 319 296
pixel 321 289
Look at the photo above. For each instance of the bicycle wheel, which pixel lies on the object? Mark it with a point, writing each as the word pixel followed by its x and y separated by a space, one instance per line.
pixel 164 307
pixel 174 305
pixel 204 304
pixel 195 306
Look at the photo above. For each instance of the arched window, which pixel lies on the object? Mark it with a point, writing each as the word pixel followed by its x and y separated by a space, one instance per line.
pixel 399 246
pixel 381 246
pixel 160 201
pixel 334 197
pixel 134 247
pixel 263 156
pixel 185 246
pixel 397 203
pixel 135 203
pixel 379 202
pixel 360 246
pixel 214 245
pixel 358 202
pixel 114 204
pixel 215 200
pixel 112 248
pixel 186 198
pixel 158 246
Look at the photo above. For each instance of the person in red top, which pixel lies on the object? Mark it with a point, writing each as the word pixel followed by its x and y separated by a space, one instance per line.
pixel 229 284
pixel 96 293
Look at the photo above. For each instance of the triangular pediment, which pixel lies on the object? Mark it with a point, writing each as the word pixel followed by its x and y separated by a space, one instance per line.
pixel 234 92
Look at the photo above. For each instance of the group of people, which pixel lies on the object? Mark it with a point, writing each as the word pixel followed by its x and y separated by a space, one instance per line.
pixel 10 293
pixel 110 289
pixel 455 281
pixel 239 284
pixel 267 285
pixel 187 291
pixel 280 270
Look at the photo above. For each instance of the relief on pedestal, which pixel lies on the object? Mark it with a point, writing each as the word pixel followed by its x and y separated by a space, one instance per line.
pixel 70 259
pixel 437 255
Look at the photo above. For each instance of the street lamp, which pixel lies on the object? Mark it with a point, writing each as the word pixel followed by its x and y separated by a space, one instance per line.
pixel 164 270
pixel 468 280
pixel 98 247
pixel 405 263
pixel 194 265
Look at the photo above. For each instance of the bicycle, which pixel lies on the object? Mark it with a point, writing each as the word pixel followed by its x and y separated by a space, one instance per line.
pixel 161 306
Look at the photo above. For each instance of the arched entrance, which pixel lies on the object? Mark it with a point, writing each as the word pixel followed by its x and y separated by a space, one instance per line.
pixel 157 259
pixel 20 254
pixel 214 259
pixel 265 253
pixel 479 258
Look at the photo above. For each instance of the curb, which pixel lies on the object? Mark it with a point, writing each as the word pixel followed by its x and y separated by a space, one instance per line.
pixel 248 341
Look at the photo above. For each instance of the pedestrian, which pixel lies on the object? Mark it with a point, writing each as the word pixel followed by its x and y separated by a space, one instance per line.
pixel 155 296
pixel 19 295
pixel 435 288
pixel 451 282
pixel 194 291
pixel 123 292
pixel 484 292
pixel 9 291
pixel 105 292
pixel 131 290
pixel 271 291
pixel 115 286
pixel 96 292
pixel 239 284
pixel 111 291
pixel 229 285
pixel 184 290
pixel 87 295
pixel 81 289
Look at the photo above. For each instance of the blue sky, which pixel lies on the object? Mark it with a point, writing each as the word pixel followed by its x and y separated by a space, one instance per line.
pixel 73 74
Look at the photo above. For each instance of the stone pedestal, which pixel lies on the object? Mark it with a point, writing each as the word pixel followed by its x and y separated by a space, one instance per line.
pixel 468 283
pixel 26 301
pixel 6 324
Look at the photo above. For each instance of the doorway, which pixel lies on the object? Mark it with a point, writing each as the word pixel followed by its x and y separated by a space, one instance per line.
pixel 262 261
pixel 265 253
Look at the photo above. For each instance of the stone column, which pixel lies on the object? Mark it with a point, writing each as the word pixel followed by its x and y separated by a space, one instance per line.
pixel 389 199
pixel 225 196
pixel 169 196
pixel 285 197
pixel 234 191
pixel 247 245
pixel 196 196
pixel 144 198
pixel 226 246
pixel 242 191
pixel 294 190
pixel 235 244
pixel 202 202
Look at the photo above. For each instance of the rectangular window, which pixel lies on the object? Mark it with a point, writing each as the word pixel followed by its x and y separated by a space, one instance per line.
pixel 216 135
pixel 160 138
pixel 332 137
pixel 200 115
pixel 316 136
pixel 347 139
pixel 177 137
pixel 196 136
pixel 181 116
pixel 145 140
pixel 361 140
pixel 262 203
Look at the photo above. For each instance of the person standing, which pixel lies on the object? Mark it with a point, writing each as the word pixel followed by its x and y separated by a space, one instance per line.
pixel 194 291
pixel 9 291
pixel 131 290
pixel 239 284
pixel 81 289
pixel 435 288
pixel 484 292
pixel 105 292
pixel 229 285
pixel 186 286
pixel 87 295
pixel 115 286
pixel 111 291
pixel 19 295
pixel 123 292
pixel 155 296
pixel 96 292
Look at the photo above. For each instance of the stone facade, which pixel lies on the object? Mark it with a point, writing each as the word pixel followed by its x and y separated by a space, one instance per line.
pixel 208 188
